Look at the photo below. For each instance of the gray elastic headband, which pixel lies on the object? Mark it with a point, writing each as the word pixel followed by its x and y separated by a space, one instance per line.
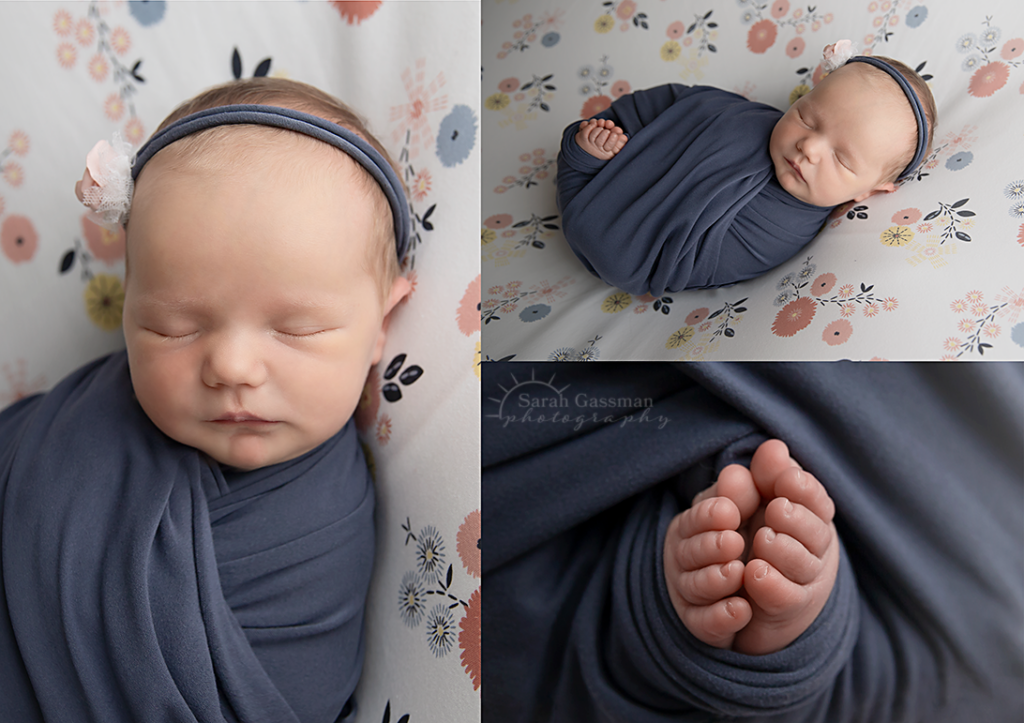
pixel 323 130
pixel 915 104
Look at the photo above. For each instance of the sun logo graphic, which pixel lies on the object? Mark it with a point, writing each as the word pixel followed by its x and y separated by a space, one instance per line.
pixel 533 400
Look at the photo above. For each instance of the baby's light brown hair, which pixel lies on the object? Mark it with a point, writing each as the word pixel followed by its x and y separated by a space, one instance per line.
pixel 924 94
pixel 284 93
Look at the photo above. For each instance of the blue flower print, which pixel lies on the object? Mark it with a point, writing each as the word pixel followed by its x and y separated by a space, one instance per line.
pixel 959 160
pixel 535 312
pixel 147 12
pixel 916 16
pixel 550 39
pixel 1014 190
pixel 457 136
pixel 966 42
pixel 1017 334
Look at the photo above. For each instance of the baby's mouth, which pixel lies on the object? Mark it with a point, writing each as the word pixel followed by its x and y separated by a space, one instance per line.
pixel 797 169
pixel 241 419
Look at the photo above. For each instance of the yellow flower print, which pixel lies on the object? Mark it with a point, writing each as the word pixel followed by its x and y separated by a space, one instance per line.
pixel 616 302
pixel 104 301
pixel 799 92
pixel 497 101
pixel 487 235
pixel 897 236
pixel 671 50
pixel 679 337
pixel 604 23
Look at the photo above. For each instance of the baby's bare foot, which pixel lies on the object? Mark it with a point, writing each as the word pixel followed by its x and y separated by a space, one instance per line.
pixel 703 569
pixel 600 138
pixel 793 557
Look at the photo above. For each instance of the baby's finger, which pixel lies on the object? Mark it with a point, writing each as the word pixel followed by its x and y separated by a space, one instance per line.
pixel 803 488
pixel 795 520
pixel 772 591
pixel 708 548
pixel 710 584
pixel 786 554
pixel 717 513
pixel 718 623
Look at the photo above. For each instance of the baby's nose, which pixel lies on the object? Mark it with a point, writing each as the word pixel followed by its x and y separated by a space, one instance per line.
pixel 233 360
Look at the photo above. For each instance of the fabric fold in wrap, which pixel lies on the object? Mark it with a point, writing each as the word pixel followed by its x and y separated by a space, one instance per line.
pixel 924 464
pixel 143 583
pixel 691 200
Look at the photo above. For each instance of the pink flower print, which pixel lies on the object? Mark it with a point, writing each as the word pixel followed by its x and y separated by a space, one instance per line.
pixel 120 41
pixel 795 47
pixel 13 174
pixel 66 55
pixel 847 310
pixel 925 227
pixel 114 107
pixel 697 316
pixel 838 332
pixel 420 185
pixel 62 23
pixel 595 105
pixel 974 296
pixel 620 88
pixel 958 306
pixel 468 543
pixel 98 67
pixel 794 316
pixel 1014 303
pixel 988 79
pixel 890 304
pixel 383 433
pixel 823 284
pixel 1020 235
pixel 906 216
pixel 780 8
pixel 18 239
pixel 423 97
pixel 951 343
pixel 1 205
pixel 133 131
pixel 105 245
pixel 816 76
pixel 761 36
pixel 979 310
pixel 469 639
pixel 356 11
pixel 626 9
pixel 18 383
pixel 845 291
pixel 966 325
pixel 639 308
pixel 18 143
pixel 871 309
pixel 498 220
pixel 1012 49
pixel 991 330
pixel 369 402
pixel 84 32
pixel 468 315
pixel 704 326
pixel 509 85
pixel 675 30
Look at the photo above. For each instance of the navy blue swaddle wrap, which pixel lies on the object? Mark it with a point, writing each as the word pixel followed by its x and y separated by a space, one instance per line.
pixel 925 464
pixel 690 202
pixel 142 583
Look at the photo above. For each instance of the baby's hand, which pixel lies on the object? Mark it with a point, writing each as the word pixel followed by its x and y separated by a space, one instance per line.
pixel 794 556
pixel 703 554
pixel 600 138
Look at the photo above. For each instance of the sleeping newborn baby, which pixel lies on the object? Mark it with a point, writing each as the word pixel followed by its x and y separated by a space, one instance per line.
pixel 680 187
pixel 188 524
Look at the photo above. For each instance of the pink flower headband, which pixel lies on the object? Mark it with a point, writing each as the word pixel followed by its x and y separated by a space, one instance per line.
pixel 106 186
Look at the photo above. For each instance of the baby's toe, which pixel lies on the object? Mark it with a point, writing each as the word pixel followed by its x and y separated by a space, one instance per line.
pixel 800 523
pixel 769 461
pixel 774 593
pixel 710 584
pixel 803 488
pixel 708 548
pixel 736 483
pixel 786 555
pixel 718 623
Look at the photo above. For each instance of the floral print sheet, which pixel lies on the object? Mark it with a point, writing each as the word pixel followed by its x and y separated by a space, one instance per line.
pixel 76 72
pixel 932 271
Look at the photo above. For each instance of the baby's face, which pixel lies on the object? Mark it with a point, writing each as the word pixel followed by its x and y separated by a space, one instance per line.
pixel 836 143
pixel 250 316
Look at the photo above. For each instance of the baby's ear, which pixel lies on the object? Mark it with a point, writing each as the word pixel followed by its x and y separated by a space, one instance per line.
pixel 887 187
pixel 400 288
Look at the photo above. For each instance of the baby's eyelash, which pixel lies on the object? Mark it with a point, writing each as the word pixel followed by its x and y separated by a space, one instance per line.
pixel 301 336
